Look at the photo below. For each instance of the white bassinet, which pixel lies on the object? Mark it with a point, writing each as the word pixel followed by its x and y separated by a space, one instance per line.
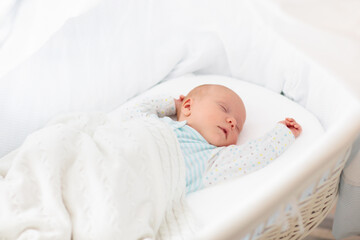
pixel 99 55
pixel 286 199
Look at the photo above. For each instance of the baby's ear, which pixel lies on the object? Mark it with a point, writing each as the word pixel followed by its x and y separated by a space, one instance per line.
pixel 186 107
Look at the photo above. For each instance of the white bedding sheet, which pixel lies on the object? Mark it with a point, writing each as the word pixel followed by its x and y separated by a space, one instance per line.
pixel 214 206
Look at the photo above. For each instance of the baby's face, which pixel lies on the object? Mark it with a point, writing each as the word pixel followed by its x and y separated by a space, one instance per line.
pixel 218 115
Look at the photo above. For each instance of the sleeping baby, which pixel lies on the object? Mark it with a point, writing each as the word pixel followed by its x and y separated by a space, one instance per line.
pixel 207 123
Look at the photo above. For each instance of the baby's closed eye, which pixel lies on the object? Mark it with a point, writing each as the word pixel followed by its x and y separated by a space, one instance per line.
pixel 223 107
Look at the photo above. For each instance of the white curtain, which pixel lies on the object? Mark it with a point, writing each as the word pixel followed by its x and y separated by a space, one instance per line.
pixel 328 31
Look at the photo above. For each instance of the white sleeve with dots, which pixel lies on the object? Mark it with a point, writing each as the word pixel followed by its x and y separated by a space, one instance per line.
pixel 159 106
pixel 238 160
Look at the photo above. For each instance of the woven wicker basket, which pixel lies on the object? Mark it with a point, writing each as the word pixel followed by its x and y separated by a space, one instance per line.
pixel 311 210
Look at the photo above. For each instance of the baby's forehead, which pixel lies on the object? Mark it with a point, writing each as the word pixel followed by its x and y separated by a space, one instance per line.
pixel 226 93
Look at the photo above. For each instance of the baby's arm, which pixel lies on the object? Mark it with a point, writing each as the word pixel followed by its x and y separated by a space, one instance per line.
pixel 159 106
pixel 234 160
pixel 294 127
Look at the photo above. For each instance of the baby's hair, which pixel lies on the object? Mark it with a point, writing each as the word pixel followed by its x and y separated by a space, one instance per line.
pixel 201 90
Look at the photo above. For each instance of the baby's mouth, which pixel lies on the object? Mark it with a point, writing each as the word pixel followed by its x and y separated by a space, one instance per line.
pixel 225 131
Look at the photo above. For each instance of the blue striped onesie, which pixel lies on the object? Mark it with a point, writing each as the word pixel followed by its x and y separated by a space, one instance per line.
pixel 207 164
pixel 196 152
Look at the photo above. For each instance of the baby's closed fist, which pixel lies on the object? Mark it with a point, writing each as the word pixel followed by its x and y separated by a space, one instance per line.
pixel 294 127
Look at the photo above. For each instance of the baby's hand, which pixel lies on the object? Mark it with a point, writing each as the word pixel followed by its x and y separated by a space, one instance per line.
pixel 178 103
pixel 294 127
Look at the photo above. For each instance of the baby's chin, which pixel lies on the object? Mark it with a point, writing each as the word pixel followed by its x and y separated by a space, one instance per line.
pixel 223 145
pixel 226 144
pixel 220 143
pixel 219 140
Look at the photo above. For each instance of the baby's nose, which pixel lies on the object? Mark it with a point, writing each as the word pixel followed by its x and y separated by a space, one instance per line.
pixel 232 122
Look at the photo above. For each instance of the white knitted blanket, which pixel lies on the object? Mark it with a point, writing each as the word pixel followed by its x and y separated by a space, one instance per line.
pixel 86 176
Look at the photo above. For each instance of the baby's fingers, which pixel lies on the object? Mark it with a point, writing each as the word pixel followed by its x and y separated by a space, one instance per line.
pixel 298 128
pixel 290 123
pixel 181 98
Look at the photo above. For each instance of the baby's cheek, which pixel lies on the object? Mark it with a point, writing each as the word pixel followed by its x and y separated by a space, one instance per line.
pixel 233 139
pixel 216 139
